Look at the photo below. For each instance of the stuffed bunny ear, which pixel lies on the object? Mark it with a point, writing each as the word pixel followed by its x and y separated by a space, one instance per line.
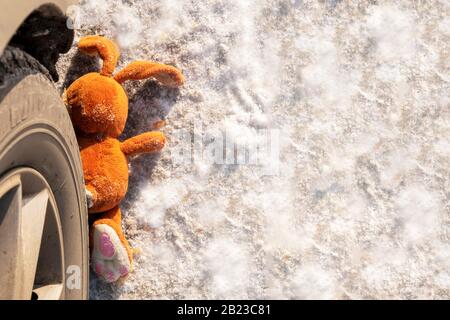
pixel 106 49
pixel 138 70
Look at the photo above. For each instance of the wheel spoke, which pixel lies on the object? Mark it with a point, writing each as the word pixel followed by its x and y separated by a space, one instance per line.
pixel 49 292
pixel 10 249
pixel 33 217
pixel 31 252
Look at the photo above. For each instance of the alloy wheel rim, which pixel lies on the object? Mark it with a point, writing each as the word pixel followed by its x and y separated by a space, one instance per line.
pixel 31 243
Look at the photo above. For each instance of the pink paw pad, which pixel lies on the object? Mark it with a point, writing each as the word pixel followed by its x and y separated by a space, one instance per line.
pixel 110 276
pixel 106 246
pixel 123 271
pixel 98 268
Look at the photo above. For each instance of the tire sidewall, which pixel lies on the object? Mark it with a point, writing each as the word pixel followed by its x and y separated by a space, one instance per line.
pixel 32 111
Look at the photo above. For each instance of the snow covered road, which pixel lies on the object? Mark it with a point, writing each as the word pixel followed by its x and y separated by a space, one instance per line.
pixel 356 94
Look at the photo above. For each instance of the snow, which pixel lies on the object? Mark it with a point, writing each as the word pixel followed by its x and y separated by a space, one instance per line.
pixel 418 213
pixel 158 199
pixel 350 198
pixel 393 31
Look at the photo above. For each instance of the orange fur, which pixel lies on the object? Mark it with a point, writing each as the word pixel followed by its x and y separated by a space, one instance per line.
pixel 98 106
pixel 138 70
pixel 105 170
pixel 106 49
pixel 143 143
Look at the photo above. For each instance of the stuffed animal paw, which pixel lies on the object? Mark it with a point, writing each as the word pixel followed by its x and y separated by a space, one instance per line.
pixel 98 106
pixel 111 256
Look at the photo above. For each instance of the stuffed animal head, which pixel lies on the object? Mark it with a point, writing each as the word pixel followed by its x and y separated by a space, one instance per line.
pixel 98 103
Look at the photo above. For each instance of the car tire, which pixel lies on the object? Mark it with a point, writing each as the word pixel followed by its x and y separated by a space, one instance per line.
pixel 44 252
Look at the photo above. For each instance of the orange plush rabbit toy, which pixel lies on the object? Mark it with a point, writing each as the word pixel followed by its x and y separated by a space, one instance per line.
pixel 98 106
